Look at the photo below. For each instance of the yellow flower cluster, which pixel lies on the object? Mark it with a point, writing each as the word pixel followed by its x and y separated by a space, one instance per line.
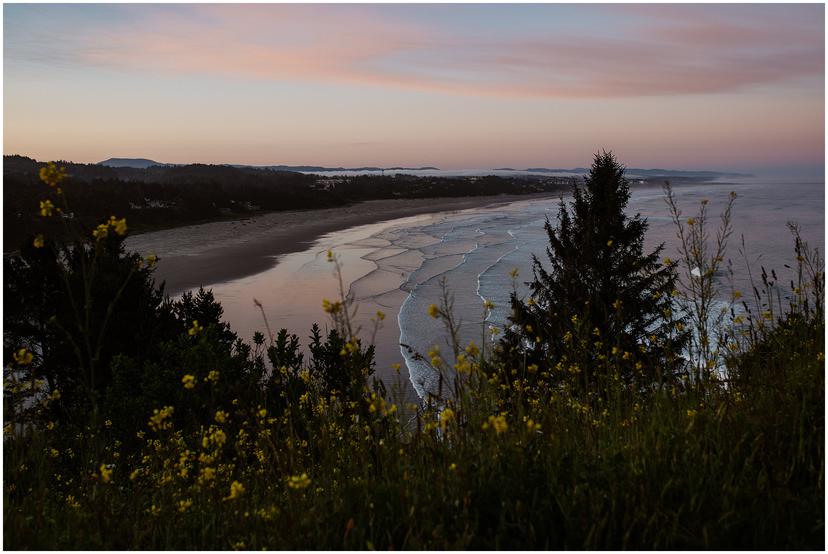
pixel 52 175
pixel 299 482
pixel 236 490
pixel 331 307
pixel 497 423
pixel 117 225
pixel 433 311
pixel 46 208
pixel 195 329
pixel 39 241
pixel 23 357
pixel 189 381
pixel 160 419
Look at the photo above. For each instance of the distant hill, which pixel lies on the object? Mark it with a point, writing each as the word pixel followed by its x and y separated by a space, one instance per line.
pixel 138 163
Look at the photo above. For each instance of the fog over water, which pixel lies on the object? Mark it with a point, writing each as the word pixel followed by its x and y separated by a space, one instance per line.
pixel 397 266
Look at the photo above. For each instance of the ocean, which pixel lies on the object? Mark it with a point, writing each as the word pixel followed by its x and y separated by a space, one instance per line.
pixel 400 266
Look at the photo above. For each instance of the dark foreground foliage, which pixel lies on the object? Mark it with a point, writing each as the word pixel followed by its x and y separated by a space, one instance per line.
pixel 175 435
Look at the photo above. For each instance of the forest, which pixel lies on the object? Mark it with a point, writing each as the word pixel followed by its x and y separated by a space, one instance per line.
pixel 167 196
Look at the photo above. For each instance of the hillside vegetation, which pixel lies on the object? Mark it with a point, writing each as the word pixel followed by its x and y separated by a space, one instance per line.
pixel 132 421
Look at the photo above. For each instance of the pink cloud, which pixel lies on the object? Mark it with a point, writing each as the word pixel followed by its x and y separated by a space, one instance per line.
pixel 665 51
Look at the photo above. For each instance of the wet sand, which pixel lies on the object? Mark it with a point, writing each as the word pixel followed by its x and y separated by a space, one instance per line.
pixel 209 253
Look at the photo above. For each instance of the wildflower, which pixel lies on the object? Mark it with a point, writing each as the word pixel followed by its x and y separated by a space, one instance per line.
pixel 609 242
pixel 50 426
pixel 23 356
pixel 299 481
pixel 498 423
pixel 158 421
pixel 737 294
pixel 212 376
pixel 531 302
pixel 691 221
pixel 488 305
pixel 434 354
pixel 472 349
pixel 433 311
pixel 236 490
pixel 445 417
pixel 52 175
pixel 206 474
pixel 72 502
pixel 195 329
pixel 53 453
pixel 189 381
pixel 221 416
pixel 531 425
pixel 617 304
pixel 453 467
pixel 667 261
pixel 691 413
pixel 118 225
pixel 101 231
pixel 331 307
pixel 514 273
pixel 380 315
pixel 151 260
pixel 820 356
pixel 106 473
pixel 108 423
pixel 38 241
pixel 46 208
pixel 184 505
pixel 330 255
pixel 215 436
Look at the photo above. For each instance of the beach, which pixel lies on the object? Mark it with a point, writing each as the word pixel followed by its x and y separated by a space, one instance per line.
pixel 216 252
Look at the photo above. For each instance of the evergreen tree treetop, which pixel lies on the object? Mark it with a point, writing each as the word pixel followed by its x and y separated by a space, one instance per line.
pixel 601 297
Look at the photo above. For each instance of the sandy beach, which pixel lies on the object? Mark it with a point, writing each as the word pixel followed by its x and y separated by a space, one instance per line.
pixel 221 251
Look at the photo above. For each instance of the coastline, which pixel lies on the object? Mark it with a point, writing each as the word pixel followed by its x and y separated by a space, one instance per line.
pixel 216 252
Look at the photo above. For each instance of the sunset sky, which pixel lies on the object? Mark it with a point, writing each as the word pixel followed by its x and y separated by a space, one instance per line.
pixel 727 87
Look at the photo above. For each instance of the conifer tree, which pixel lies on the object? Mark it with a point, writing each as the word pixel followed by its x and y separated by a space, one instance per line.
pixel 602 309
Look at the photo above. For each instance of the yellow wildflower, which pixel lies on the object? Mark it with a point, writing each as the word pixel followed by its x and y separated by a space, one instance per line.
pixel 106 473
pixel 498 423
pixel 299 481
pixel 38 241
pixel 609 242
pixel 23 356
pixel 445 417
pixel 195 329
pixel 118 225
pixel 159 419
pixel 151 260
pixel 433 311
pixel 221 416
pixel 46 208
pixel 691 221
pixel 453 467
pixel 184 505
pixel 52 175
pixel 212 376
pixel 488 305
pixel 236 490
pixel 101 231
pixel 189 381
pixel 380 315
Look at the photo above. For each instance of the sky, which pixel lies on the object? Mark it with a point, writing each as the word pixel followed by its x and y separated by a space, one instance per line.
pixel 736 87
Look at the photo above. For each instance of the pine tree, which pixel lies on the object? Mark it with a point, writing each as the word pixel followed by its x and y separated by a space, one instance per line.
pixel 602 309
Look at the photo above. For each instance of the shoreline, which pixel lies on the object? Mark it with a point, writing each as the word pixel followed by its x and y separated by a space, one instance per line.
pixel 209 253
